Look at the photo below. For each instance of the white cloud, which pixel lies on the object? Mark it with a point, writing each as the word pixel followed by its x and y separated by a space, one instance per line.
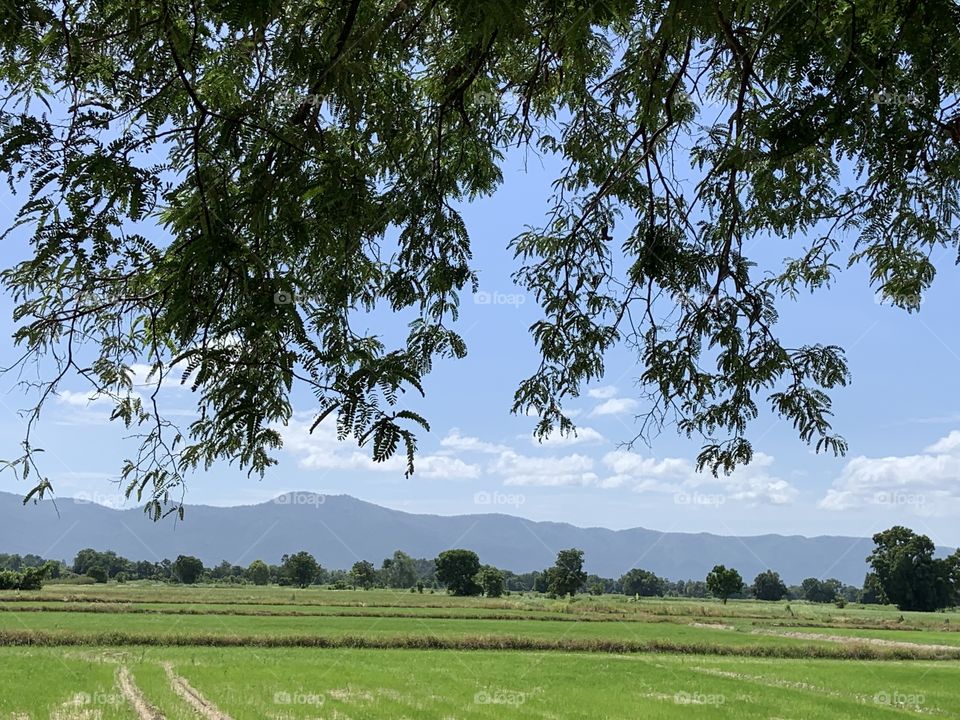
pixel 445 467
pixel 927 481
pixel 629 464
pixel 322 450
pixel 455 441
pixel 83 399
pixel 946 445
pixel 616 406
pixel 516 469
pixel 604 392
pixel 583 435
pixel 753 483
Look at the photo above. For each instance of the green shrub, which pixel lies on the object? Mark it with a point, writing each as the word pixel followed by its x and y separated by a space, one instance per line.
pixel 97 573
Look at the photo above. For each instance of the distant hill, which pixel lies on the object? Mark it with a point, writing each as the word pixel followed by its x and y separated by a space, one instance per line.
pixel 339 530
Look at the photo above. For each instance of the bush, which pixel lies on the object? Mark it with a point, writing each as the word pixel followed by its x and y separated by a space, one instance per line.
pixel 30 578
pixel 97 573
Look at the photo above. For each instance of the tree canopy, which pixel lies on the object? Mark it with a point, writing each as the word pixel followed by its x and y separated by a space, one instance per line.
pixel 768 586
pixel 642 582
pixel 222 190
pixel 300 568
pixel 567 576
pixel 723 582
pixel 457 570
pixel 909 575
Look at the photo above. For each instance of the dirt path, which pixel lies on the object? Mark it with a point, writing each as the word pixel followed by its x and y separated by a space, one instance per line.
pixel 133 695
pixel 192 696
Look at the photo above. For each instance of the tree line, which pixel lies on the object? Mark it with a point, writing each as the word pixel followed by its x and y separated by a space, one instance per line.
pixel 904 572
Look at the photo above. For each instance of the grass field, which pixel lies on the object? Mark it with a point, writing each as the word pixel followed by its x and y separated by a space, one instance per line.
pixel 149 652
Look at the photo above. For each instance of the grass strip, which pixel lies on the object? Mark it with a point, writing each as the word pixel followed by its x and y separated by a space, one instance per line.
pixel 851 651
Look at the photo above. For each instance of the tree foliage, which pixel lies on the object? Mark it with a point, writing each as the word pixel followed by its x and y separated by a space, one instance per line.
pixel 258 572
pixel 821 591
pixel 567 576
pixel 643 582
pixel 223 191
pixel 399 571
pixel 29 578
pixel 301 568
pixel 187 569
pixel 722 582
pixel 491 580
pixel 363 574
pixel 908 573
pixel 768 586
pixel 457 570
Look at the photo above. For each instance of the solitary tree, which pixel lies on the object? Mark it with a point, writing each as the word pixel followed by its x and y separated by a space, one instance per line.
pixel 399 571
pixel 908 573
pixel 187 569
pixel 208 186
pixel 821 591
pixel 301 568
pixel 258 572
pixel 768 586
pixel 643 583
pixel 457 570
pixel 723 582
pixel 491 580
pixel 567 576
pixel 363 574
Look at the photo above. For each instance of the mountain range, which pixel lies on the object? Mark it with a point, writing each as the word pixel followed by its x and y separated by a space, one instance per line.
pixel 339 530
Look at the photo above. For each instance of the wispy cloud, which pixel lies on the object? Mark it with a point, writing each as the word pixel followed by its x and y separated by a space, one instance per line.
pixel 616 406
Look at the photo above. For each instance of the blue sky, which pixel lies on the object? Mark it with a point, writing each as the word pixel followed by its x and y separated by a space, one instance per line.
pixel 901 417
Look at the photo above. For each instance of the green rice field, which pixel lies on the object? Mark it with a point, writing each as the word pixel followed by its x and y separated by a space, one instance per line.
pixel 152 651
